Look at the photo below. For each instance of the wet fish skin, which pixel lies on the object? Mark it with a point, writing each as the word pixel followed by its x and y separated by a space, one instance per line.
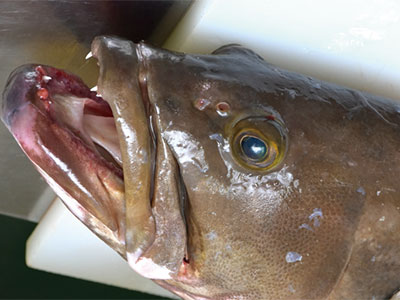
pixel 342 149
pixel 319 221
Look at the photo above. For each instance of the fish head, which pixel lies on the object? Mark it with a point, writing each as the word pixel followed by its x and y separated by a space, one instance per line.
pixel 201 170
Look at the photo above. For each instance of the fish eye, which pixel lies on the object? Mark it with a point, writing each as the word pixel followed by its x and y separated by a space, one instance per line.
pixel 253 147
pixel 258 143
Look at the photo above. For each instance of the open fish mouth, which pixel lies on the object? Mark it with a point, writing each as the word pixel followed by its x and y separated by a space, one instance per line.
pixel 101 152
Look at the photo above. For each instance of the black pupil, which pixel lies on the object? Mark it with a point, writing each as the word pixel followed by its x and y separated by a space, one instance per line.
pixel 254 148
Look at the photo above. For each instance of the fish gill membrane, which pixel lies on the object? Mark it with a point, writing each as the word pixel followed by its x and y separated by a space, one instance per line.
pixel 220 176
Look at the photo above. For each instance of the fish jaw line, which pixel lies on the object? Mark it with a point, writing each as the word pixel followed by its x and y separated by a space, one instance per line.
pixel 118 84
pixel 136 117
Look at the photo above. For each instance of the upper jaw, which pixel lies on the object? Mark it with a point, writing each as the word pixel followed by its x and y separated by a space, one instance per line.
pixel 155 229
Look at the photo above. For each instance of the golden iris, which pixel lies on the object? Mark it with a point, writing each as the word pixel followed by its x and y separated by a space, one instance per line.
pixel 258 143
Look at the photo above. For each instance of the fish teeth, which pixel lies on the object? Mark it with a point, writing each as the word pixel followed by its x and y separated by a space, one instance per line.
pixel 89 55
pixel 46 78
pixel 94 89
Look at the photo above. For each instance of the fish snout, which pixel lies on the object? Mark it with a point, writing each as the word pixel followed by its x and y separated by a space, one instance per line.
pixel 18 85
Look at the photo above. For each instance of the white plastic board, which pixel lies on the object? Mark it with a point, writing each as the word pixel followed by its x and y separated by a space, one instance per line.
pixel 355 43
pixel 62 244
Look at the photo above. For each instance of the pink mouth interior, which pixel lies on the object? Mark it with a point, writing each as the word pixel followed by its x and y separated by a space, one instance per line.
pixel 70 103
pixel 69 133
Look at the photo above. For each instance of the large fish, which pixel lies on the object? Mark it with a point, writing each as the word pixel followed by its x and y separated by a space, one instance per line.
pixel 220 176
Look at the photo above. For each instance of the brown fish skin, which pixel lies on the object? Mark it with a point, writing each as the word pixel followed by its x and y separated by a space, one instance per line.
pixel 321 223
pixel 342 149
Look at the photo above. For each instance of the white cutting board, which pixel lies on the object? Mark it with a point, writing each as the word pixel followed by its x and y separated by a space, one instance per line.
pixel 62 244
pixel 354 43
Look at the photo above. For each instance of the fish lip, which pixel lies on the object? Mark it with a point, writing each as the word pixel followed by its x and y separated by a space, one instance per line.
pixel 143 52
pixel 104 43
pixel 119 85
pixel 144 93
pixel 141 47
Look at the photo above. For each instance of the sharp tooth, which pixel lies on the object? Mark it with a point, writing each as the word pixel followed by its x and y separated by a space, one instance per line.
pixel 89 55
pixel 46 78
pixel 99 95
pixel 94 89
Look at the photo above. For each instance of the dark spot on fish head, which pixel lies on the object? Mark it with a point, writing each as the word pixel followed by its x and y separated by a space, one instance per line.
pixel 172 105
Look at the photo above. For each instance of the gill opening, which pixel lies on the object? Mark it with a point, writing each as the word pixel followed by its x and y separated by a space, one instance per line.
pixel 183 198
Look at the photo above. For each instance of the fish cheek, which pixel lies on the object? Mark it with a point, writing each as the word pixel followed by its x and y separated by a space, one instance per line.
pixel 320 222
pixel 255 245
pixel 297 234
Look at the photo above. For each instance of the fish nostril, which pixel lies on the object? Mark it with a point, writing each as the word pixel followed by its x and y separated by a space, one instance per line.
pixel 201 103
pixel 223 108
